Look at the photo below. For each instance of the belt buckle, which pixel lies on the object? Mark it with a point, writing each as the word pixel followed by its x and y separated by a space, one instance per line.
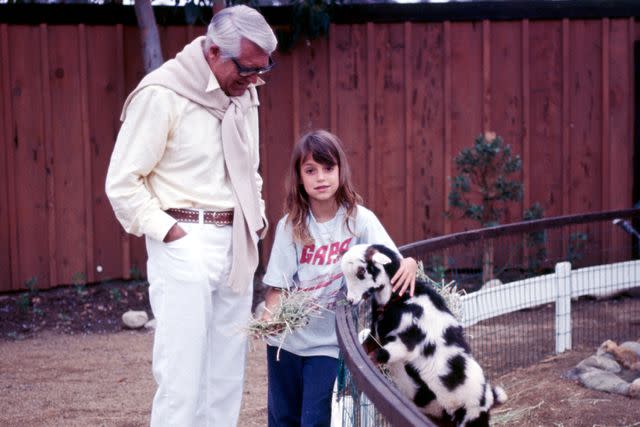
pixel 218 219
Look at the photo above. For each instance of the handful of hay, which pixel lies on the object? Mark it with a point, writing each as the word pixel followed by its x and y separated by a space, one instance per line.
pixel 294 311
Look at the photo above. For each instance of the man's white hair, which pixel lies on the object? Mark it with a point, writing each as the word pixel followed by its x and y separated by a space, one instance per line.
pixel 230 25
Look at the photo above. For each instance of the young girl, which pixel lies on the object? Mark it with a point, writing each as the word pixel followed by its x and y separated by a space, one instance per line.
pixel 323 219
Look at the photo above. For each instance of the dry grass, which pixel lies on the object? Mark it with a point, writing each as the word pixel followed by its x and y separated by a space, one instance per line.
pixel 294 311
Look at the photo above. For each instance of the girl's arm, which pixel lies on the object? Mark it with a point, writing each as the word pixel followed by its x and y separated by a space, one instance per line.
pixel 271 301
pixel 405 277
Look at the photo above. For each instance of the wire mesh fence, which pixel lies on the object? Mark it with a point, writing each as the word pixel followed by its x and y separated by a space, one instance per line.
pixel 595 297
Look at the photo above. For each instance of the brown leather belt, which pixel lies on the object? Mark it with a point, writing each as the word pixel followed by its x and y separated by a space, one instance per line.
pixel 209 217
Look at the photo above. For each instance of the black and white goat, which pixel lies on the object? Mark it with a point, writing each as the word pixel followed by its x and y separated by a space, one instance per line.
pixel 420 340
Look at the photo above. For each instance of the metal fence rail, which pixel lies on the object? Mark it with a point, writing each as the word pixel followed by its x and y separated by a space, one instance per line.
pixel 517 262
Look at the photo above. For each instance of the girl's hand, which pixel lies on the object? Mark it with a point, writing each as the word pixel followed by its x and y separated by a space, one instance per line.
pixel 405 277
pixel 271 301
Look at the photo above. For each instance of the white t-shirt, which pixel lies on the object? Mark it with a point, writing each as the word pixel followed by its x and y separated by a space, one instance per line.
pixel 316 268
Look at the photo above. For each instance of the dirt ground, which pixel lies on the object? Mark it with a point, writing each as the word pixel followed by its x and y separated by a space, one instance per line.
pixel 65 360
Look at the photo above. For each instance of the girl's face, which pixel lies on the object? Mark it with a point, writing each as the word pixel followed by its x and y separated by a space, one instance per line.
pixel 320 181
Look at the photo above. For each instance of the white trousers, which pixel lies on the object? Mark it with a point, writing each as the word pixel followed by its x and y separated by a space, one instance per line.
pixel 199 353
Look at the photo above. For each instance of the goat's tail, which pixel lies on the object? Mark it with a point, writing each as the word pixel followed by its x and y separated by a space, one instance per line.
pixel 499 395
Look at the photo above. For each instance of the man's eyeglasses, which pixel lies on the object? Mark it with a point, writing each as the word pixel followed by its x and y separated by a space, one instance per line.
pixel 250 71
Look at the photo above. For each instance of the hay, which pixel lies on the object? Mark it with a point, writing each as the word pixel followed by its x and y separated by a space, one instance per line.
pixel 294 311
pixel 511 416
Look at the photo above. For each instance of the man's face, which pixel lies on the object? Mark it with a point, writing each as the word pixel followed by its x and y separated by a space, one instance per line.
pixel 226 71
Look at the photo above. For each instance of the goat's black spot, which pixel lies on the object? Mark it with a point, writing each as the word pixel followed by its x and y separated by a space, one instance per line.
pixel 412 336
pixel 459 415
pixel 391 268
pixel 373 270
pixel 446 419
pixel 429 349
pixel 454 335
pixel 424 395
pixel 481 421
pixel 414 310
pixel 495 394
pixel 483 396
pixel 413 373
pixel 389 321
pixel 423 288
pixel 456 375
pixel 438 301
pixel 382 355
pixel 360 273
pixel 386 340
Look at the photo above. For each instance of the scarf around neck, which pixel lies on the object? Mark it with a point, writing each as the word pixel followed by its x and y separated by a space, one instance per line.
pixel 188 75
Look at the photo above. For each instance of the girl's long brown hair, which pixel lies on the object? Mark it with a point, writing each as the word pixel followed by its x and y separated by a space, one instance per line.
pixel 326 149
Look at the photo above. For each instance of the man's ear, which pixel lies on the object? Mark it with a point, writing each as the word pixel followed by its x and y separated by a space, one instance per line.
pixel 213 52
pixel 380 258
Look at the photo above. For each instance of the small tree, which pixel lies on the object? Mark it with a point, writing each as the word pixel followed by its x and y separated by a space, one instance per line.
pixel 484 170
pixel 483 186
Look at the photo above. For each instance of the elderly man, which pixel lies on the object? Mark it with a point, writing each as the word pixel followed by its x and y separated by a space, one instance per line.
pixel 184 173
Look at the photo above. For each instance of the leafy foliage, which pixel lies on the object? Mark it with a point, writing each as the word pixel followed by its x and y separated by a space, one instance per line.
pixel 484 185
pixel 535 241
pixel 310 19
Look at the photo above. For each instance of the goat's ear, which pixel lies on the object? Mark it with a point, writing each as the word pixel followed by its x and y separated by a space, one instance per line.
pixel 380 258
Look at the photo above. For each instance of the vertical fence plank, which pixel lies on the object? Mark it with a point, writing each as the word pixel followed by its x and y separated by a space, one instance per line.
pixel 606 116
pixel 506 94
pixel 409 151
pixel 48 152
pixel 8 228
pixel 133 65
pixel 351 98
pixel 506 114
pixel 67 149
pixel 487 124
pixel 125 242
pixel 333 107
pixel 446 110
pixel 586 117
pixel 585 146
pixel 526 113
pixel 389 127
pixel 605 145
pixel 173 39
pixel 27 156
pixel 566 122
pixel 370 194
pixel 466 97
pixel 314 80
pixel 295 96
pixel 427 131
pixel 276 140
pixel 86 145
pixel 106 85
pixel 619 137
pixel 545 157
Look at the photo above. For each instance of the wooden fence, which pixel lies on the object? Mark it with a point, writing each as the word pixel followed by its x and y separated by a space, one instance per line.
pixel 404 97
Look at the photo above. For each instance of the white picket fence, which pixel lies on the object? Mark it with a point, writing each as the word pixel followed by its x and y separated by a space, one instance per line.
pixel 558 288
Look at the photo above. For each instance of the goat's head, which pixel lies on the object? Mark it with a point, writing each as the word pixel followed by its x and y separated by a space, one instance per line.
pixel 368 269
